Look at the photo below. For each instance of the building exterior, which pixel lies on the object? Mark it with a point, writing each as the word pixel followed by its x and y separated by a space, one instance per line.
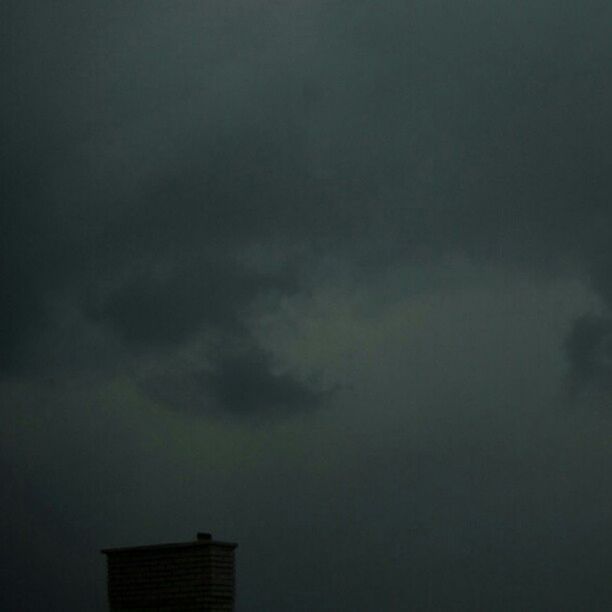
pixel 187 576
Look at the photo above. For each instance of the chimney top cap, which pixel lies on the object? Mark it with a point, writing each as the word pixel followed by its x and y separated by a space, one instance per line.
pixel 204 536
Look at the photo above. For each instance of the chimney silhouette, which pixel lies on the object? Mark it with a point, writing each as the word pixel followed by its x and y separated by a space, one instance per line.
pixel 186 576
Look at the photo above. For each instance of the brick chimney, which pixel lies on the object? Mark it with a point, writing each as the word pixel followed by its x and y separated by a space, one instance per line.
pixel 187 576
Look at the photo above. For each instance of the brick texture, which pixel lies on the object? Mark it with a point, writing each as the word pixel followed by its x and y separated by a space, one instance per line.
pixel 187 576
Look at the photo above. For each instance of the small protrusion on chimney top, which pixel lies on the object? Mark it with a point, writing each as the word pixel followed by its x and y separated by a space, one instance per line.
pixel 204 536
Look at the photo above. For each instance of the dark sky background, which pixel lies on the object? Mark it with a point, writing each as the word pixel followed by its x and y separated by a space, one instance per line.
pixel 330 279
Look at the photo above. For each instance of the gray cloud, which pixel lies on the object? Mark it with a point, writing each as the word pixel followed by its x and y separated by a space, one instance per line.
pixel 589 352
pixel 243 382
pixel 328 129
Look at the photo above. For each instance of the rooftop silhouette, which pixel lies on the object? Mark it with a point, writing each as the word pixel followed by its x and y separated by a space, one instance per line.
pixel 187 576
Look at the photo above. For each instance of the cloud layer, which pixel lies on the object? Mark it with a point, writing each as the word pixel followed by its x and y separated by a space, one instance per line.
pixel 247 246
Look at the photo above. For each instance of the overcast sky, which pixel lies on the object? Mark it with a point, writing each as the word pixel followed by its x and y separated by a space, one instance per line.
pixel 330 279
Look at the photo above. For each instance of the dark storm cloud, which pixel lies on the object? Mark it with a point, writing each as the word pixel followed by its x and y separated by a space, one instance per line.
pixel 156 144
pixel 142 241
pixel 243 382
pixel 246 383
pixel 164 309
